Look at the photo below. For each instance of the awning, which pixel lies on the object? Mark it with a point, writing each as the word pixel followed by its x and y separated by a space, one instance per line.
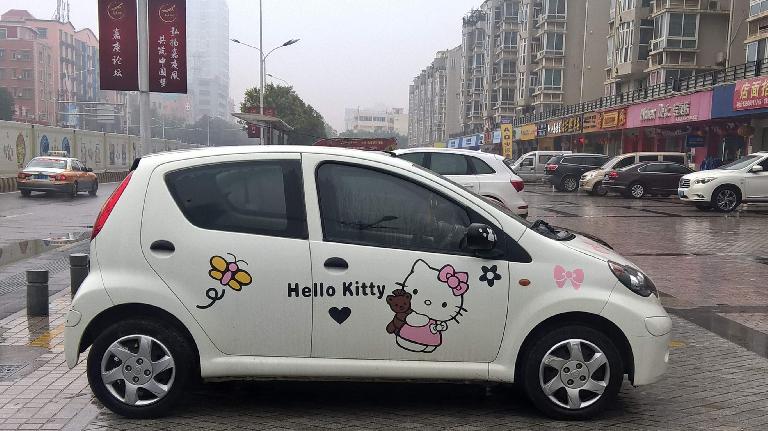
pixel 263 120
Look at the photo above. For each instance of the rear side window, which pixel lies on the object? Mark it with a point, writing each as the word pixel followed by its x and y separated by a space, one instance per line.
pixel 260 197
pixel 654 167
pixel 676 159
pixel 544 159
pixel 677 169
pixel 449 164
pixel 648 158
pixel 481 168
pixel 597 161
pixel 417 158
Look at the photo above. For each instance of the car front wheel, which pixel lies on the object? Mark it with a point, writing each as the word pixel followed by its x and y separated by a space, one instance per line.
pixel 138 368
pixel 726 198
pixel 637 190
pixel 572 372
pixel 569 184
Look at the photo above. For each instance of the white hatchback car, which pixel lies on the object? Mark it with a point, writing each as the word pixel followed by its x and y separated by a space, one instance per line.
pixel 325 263
pixel 484 173
pixel 725 188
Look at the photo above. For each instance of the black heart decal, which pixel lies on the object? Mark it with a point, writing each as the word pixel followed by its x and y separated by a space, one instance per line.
pixel 340 315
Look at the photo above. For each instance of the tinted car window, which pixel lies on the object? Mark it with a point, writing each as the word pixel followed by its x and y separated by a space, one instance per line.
pixel 676 159
pixel 417 158
pixel 264 197
pixel 648 158
pixel 677 169
pixel 527 162
pixel 764 164
pixel 481 167
pixel 596 161
pixel 544 159
pixel 369 207
pixel 626 161
pixel 654 167
pixel 449 164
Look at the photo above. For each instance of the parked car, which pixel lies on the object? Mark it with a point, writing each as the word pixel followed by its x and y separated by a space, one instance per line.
pixel 327 263
pixel 647 178
pixel 483 173
pixel 56 174
pixel 727 187
pixel 564 171
pixel 592 181
pixel 531 166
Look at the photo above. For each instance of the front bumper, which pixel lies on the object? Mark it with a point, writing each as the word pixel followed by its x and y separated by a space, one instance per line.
pixel 694 194
pixel 45 186
pixel 589 184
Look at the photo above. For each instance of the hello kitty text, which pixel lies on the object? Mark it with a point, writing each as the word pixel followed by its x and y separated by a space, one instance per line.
pixel 352 288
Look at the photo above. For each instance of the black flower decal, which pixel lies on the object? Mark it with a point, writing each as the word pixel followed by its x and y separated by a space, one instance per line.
pixel 490 275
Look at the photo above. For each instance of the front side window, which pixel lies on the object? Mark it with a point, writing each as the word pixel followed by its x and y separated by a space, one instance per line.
pixel 449 164
pixel 648 158
pixel 739 164
pixel 654 167
pixel 369 207
pixel 527 162
pixel 260 197
pixel 676 159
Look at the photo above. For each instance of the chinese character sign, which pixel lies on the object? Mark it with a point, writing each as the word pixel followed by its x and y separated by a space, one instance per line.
pixel 118 45
pixel 167 46
pixel 750 94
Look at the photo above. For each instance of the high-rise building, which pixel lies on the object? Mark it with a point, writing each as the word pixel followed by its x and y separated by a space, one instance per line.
pixel 757 31
pixel 473 80
pixel 208 58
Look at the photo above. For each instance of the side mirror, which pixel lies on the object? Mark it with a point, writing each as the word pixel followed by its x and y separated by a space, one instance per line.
pixel 88 169
pixel 480 237
pixel 756 169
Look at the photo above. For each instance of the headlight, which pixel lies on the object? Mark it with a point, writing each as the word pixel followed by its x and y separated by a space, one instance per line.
pixel 704 180
pixel 633 279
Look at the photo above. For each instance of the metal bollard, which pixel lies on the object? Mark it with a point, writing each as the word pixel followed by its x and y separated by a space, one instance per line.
pixel 78 270
pixel 37 292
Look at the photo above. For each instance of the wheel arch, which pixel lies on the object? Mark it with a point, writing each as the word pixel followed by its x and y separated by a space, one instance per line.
pixel 593 321
pixel 121 312
pixel 733 186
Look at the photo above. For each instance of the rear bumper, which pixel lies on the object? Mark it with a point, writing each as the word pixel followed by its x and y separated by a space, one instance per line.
pixel 44 186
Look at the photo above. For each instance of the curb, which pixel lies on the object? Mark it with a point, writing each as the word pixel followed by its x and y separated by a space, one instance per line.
pixel 8 184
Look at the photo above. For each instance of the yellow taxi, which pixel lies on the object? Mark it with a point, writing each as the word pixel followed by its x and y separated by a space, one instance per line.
pixel 57 174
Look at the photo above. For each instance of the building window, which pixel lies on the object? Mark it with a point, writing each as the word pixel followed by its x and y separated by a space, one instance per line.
pixel 553 79
pixel 625 42
pixel 757 50
pixel 682 30
pixel 555 7
pixel 3 33
pixel 676 74
pixel 609 59
pixel 510 39
pixel 756 7
pixel 42 33
pixel 646 34
pixel 554 43
pixel 625 5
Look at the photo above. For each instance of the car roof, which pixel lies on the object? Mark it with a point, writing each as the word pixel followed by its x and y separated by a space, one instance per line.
pixel 441 150
pixel 53 158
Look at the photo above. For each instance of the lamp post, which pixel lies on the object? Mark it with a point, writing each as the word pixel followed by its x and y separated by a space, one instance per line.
pixel 279 79
pixel 262 63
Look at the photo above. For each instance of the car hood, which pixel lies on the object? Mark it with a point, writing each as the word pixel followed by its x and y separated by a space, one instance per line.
pixel 47 171
pixel 593 172
pixel 593 248
pixel 709 173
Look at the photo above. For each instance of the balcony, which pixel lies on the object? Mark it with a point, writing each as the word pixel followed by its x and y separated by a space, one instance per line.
pixel 545 18
pixel 673 43
pixel 549 53
pixel 700 6
pixel 757 27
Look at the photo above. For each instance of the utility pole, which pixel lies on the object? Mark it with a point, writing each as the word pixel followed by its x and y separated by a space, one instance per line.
pixel 261 68
pixel 145 122
pixel 209 130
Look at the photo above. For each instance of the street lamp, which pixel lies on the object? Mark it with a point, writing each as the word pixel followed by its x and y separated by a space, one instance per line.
pixel 279 79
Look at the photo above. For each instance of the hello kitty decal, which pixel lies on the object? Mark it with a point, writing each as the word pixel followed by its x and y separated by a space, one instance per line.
pixel 427 300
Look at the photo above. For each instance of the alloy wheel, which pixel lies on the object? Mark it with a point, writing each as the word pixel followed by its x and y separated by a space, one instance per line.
pixel 637 191
pixel 138 370
pixel 726 200
pixel 570 184
pixel 574 374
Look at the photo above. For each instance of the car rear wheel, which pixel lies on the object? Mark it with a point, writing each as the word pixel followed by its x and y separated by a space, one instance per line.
pixel 599 190
pixel 569 184
pixel 138 368
pixel 572 372
pixel 94 188
pixel 637 190
pixel 726 198
pixel 25 193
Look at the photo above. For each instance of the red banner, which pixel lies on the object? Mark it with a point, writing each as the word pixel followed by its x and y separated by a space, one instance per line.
pixel 118 45
pixel 750 94
pixel 167 46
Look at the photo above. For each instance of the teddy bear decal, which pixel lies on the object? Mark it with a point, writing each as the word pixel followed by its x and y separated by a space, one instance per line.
pixel 428 299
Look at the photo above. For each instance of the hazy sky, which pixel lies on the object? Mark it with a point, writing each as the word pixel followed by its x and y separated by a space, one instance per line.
pixel 352 52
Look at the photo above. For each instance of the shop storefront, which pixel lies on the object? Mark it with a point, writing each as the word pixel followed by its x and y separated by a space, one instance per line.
pixel 525 139
pixel 744 107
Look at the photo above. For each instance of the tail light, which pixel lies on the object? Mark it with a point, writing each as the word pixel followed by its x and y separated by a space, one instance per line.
pixel 108 206
pixel 550 167
pixel 519 185
pixel 613 174
pixel 61 177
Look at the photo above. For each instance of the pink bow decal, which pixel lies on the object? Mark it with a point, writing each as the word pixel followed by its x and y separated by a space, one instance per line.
pixel 455 280
pixel 562 276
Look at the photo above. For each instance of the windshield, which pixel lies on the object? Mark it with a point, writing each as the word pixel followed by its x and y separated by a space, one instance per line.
pixel 610 162
pixel 739 164
pixel 47 164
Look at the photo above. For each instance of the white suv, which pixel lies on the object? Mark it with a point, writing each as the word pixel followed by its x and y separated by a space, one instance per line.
pixel 484 173
pixel 725 188
pixel 326 263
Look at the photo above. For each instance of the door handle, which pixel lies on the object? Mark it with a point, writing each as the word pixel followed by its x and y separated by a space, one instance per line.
pixel 336 263
pixel 162 246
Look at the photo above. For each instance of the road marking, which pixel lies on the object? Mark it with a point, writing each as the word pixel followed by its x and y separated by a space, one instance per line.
pixel 15 215
pixel 45 339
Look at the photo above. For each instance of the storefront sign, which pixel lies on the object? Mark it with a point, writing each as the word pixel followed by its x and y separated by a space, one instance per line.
pixel 675 110
pixel 541 129
pixel 506 134
pixel 167 46
pixel 118 45
pixel 693 141
pixel 528 132
pixel 554 128
pixel 454 143
pixel 614 119
pixel 592 121
pixel 571 125
pixel 750 94
pixel 497 136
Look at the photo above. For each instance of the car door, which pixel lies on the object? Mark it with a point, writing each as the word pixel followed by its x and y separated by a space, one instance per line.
pixel 527 169
pixel 457 167
pixel 392 280
pixel 757 182
pixel 227 234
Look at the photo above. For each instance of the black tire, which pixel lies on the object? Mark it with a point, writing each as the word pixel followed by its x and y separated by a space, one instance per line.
pixel 535 375
pixel 25 193
pixel 726 198
pixel 94 188
pixel 636 190
pixel 599 190
pixel 569 184
pixel 704 207
pixel 178 347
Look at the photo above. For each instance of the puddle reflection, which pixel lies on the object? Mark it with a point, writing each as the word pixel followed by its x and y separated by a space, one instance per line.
pixel 17 251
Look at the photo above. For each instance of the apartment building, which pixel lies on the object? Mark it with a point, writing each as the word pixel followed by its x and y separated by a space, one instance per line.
pixel 26 72
pixel 756 41
pixel 376 120
pixel 473 79
pixel 630 30
pixel 692 36
pixel 208 58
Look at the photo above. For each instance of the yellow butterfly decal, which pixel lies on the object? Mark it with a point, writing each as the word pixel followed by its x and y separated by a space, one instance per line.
pixel 229 273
